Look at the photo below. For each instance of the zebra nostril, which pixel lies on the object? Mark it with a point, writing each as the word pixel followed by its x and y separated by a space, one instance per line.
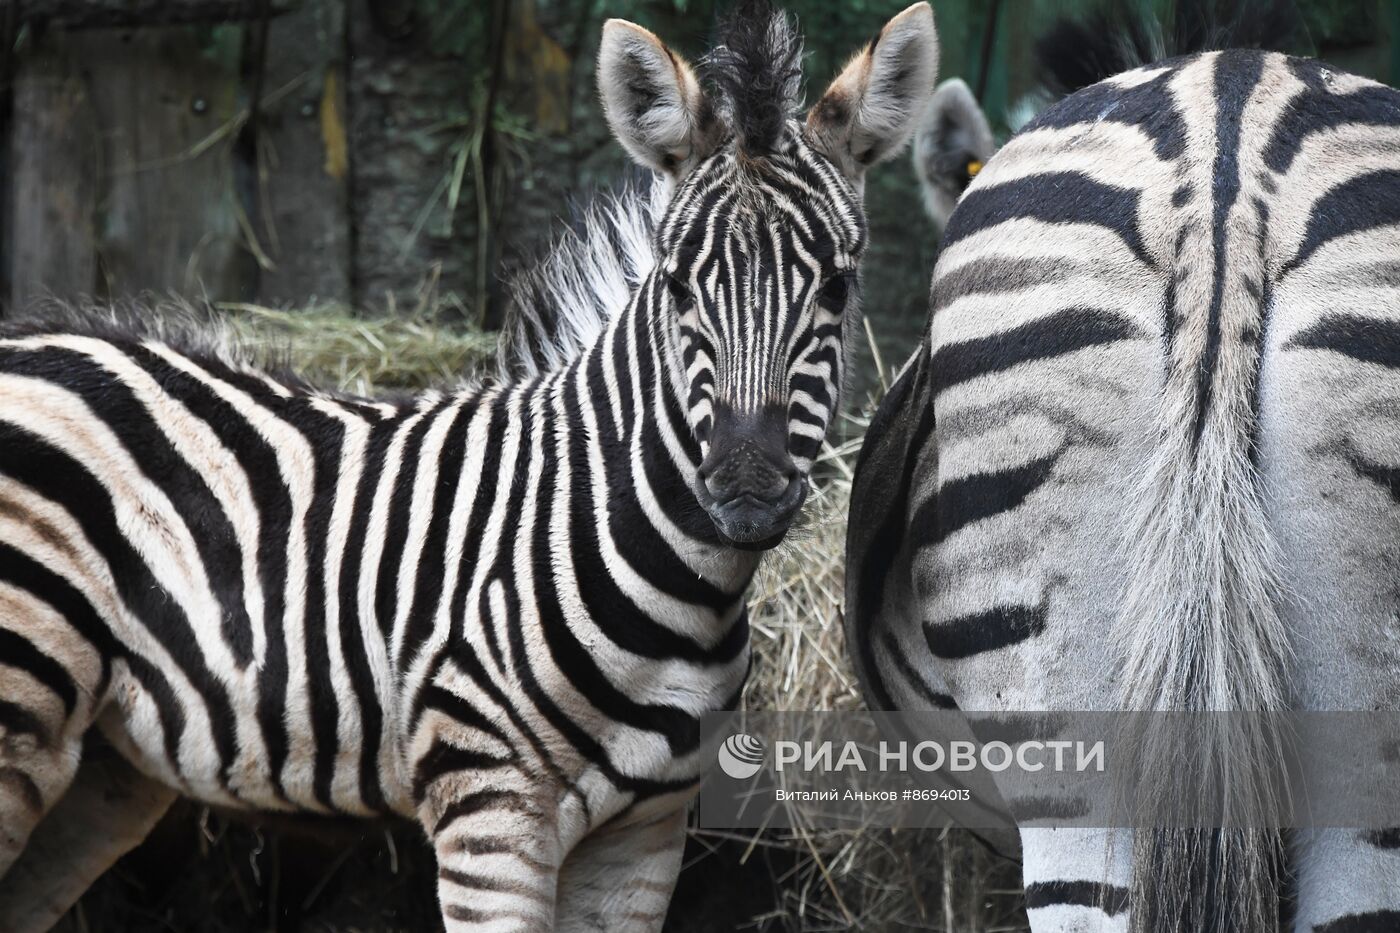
pixel 747 471
pixel 748 459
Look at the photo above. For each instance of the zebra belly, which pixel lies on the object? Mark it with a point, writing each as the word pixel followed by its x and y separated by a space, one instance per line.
pixel 247 779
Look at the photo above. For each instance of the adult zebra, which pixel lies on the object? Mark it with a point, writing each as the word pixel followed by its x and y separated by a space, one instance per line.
pixel 499 610
pixel 1159 378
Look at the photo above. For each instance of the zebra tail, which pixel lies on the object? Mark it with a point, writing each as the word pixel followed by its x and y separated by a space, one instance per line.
pixel 878 578
pixel 1201 631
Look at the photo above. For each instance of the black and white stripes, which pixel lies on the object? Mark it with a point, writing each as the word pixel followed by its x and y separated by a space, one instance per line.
pixel 1144 459
pixel 499 609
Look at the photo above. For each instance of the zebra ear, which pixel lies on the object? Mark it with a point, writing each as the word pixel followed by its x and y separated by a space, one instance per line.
pixel 952 144
pixel 870 110
pixel 652 100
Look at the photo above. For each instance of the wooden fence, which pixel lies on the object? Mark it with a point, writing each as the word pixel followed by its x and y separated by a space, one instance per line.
pixel 291 151
pixel 247 150
pixel 398 153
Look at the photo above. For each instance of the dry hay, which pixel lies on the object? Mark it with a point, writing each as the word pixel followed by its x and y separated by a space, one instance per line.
pixel 875 878
pixel 330 345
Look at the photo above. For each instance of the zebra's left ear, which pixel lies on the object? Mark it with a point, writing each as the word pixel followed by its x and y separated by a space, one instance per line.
pixel 870 111
pixel 652 100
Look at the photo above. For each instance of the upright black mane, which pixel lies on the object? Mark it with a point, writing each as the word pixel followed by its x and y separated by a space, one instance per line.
pixel 1121 35
pixel 757 69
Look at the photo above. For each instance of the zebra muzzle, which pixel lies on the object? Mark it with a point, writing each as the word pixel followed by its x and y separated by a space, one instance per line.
pixel 748 483
pixel 755 525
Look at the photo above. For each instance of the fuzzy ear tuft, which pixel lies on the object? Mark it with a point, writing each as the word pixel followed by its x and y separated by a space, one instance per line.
pixel 870 110
pixel 952 144
pixel 652 100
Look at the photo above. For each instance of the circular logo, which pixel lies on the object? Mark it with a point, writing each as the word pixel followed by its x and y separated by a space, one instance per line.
pixel 741 756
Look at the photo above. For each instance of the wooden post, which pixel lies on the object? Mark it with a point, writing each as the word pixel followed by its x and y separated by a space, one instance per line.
pixel 172 215
pixel 303 159
pixel 52 202
pixel 410 105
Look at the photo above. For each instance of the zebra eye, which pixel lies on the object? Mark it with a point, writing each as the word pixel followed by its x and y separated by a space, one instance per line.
pixel 680 293
pixel 835 291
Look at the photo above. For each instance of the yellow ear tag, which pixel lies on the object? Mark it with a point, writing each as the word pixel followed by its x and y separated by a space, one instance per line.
pixel 973 168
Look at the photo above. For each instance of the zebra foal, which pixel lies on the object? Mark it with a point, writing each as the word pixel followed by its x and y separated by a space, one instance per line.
pixel 499 610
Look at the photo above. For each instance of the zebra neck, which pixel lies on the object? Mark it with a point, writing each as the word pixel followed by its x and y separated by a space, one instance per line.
pixel 572 493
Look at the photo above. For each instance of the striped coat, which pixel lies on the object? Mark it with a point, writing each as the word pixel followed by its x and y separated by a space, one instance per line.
pixel 1144 459
pixel 499 610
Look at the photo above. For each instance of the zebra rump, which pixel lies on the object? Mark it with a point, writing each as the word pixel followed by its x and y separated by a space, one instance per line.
pixel 1141 492
pixel 1199 630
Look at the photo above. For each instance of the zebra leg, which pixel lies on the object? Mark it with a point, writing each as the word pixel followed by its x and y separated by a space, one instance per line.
pixel 1330 455
pixel 622 878
pixel 1368 901
pixel 1077 880
pixel 108 811
pixel 1341 552
pixel 53 678
pixel 43 714
pixel 34 772
pixel 498 857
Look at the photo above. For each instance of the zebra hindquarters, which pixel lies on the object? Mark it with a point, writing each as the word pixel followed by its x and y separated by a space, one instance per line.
pixel 505 864
pixel 882 628
pixel 621 878
pixel 109 810
pixel 1329 452
pixel 1045 379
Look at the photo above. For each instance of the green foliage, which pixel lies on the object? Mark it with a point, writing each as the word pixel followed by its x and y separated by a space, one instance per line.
pixel 458 28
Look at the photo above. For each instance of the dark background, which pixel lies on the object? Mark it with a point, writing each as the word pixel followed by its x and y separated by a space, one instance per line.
pixel 398 155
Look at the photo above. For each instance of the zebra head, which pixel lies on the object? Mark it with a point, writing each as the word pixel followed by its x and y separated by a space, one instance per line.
pixel 759 248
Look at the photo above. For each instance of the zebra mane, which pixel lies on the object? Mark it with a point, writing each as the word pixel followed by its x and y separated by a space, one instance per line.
pixel 560 305
pixel 757 69
pixel 194 328
pixel 191 328
pixel 1075 52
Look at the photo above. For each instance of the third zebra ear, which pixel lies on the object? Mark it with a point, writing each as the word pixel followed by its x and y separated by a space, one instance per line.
pixel 953 143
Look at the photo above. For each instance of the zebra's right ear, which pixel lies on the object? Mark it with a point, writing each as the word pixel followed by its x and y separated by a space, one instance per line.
pixel 652 100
